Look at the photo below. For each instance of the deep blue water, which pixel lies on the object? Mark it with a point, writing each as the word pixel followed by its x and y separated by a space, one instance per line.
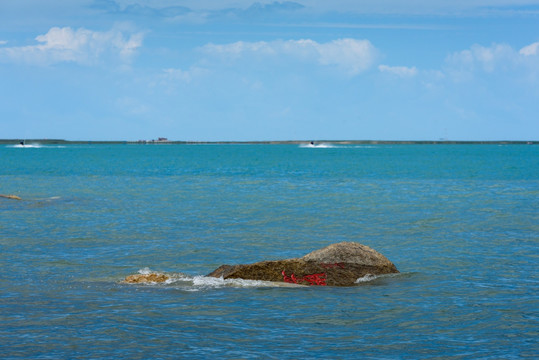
pixel 461 223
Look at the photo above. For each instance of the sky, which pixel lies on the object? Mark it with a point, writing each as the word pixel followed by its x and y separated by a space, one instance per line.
pixel 243 70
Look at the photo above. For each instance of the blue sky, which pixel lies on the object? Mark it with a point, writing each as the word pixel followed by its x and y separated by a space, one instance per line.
pixel 211 70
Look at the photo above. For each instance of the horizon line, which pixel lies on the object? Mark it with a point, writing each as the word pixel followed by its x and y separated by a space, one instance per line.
pixel 338 142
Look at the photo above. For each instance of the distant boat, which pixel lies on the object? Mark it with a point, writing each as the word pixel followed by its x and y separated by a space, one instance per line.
pixel 21 143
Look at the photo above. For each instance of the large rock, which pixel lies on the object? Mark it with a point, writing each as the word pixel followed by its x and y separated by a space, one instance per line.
pixel 339 264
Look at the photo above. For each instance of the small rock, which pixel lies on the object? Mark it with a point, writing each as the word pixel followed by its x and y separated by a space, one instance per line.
pixel 146 278
pixel 14 197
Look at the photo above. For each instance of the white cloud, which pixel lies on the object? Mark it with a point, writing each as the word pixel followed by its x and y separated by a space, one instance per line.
pixel 492 60
pixel 80 46
pixel 186 76
pixel 462 65
pixel 351 55
pixel 485 58
pixel 354 55
pixel 240 48
pixel 401 71
pixel 3 42
pixel 352 6
pixel 532 49
pixel 191 18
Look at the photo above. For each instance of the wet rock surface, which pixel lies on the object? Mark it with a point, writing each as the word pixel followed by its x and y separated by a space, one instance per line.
pixel 338 264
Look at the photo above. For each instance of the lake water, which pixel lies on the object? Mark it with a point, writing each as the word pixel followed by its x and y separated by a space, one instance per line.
pixel 460 222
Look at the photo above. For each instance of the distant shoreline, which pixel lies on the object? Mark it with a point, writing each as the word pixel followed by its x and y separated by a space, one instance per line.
pixel 270 142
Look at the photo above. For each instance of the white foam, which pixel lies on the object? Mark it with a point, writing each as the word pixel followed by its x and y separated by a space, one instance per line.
pixel 46 199
pixel 145 271
pixel 317 146
pixel 199 282
pixel 366 278
pixel 26 146
pixel 334 146
pixel 35 146
pixel 211 282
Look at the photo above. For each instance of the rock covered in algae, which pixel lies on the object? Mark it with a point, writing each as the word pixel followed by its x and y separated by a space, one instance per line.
pixel 146 278
pixel 339 264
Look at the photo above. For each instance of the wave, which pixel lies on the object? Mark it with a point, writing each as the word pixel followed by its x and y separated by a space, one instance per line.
pixel 27 146
pixel 51 198
pixel 318 146
pixel 35 146
pixel 199 282
pixel 366 278
pixel 334 146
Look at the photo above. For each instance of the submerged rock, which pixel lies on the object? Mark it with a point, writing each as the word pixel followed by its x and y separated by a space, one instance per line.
pixel 14 197
pixel 339 264
pixel 146 278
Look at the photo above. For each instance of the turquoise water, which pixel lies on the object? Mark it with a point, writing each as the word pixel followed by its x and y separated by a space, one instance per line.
pixel 461 223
